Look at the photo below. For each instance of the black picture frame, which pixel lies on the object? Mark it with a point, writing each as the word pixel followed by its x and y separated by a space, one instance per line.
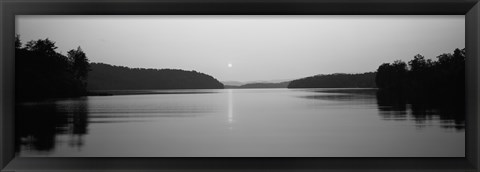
pixel 10 8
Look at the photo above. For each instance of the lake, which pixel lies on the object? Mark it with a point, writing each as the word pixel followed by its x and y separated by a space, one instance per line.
pixel 239 123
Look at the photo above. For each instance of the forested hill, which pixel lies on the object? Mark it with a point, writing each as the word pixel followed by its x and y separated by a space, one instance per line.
pixel 363 80
pixel 108 77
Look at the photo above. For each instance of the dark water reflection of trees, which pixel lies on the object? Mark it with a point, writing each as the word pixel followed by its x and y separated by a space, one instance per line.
pixel 37 125
pixel 449 111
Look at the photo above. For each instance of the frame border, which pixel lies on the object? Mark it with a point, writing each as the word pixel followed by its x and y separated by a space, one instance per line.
pixel 10 8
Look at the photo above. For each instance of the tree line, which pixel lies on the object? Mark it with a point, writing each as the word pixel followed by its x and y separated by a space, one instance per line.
pixel 42 72
pixel 339 80
pixel 109 77
pixel 422 77
pixel 417 79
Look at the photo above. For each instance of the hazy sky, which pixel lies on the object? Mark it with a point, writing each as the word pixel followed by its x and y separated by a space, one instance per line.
pixel 257 47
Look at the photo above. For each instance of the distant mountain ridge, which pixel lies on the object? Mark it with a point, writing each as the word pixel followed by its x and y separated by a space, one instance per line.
pixel 261 85
pixel 109 77
pixel 239 83
pixel 232 83
pixel 278 83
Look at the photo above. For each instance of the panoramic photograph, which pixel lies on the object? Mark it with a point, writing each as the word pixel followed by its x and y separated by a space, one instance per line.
pixel 240 86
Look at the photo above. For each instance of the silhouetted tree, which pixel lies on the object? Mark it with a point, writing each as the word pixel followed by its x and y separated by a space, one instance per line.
pixel 425 78
pixel 79 62
pixel 44 47
pixel 41 72
pixel 419 64
pixel 391 76
pixel 18 43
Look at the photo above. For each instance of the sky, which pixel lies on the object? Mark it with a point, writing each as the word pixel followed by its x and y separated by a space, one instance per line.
pixel 250 48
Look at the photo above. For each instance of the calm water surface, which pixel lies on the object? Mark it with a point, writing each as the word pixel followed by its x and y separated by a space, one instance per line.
pixel 239 122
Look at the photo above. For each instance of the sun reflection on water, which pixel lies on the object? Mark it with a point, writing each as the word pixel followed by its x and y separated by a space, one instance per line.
pixel 230 107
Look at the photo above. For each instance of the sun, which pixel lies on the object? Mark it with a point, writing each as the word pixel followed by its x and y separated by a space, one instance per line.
pixel 229 65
